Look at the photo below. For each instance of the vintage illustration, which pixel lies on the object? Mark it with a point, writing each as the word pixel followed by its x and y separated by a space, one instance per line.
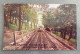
pixel 40 27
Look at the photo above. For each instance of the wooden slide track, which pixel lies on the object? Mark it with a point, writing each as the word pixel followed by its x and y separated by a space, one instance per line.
pixel 44 40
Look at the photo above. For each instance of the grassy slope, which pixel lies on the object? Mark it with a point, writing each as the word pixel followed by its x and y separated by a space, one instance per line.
pixel 14 27
pixel 74 41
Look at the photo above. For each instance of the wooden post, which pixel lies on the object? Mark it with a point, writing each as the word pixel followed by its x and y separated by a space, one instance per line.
pixel 14 38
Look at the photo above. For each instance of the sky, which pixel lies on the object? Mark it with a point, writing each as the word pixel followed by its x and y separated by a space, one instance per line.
pixel 53 5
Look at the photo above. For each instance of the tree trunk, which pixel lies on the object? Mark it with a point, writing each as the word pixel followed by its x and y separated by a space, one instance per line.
pixel 65 33
pixel 19 18
pixel 25 25
pixel 62 34
pixel 10 18
pixel 21 24
pixel 31 24
pixel 6 20
pixel 15 21
pixel 34 25
pixel 70 34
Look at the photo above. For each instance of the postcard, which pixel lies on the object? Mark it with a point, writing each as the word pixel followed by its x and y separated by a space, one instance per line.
pixel 40 27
